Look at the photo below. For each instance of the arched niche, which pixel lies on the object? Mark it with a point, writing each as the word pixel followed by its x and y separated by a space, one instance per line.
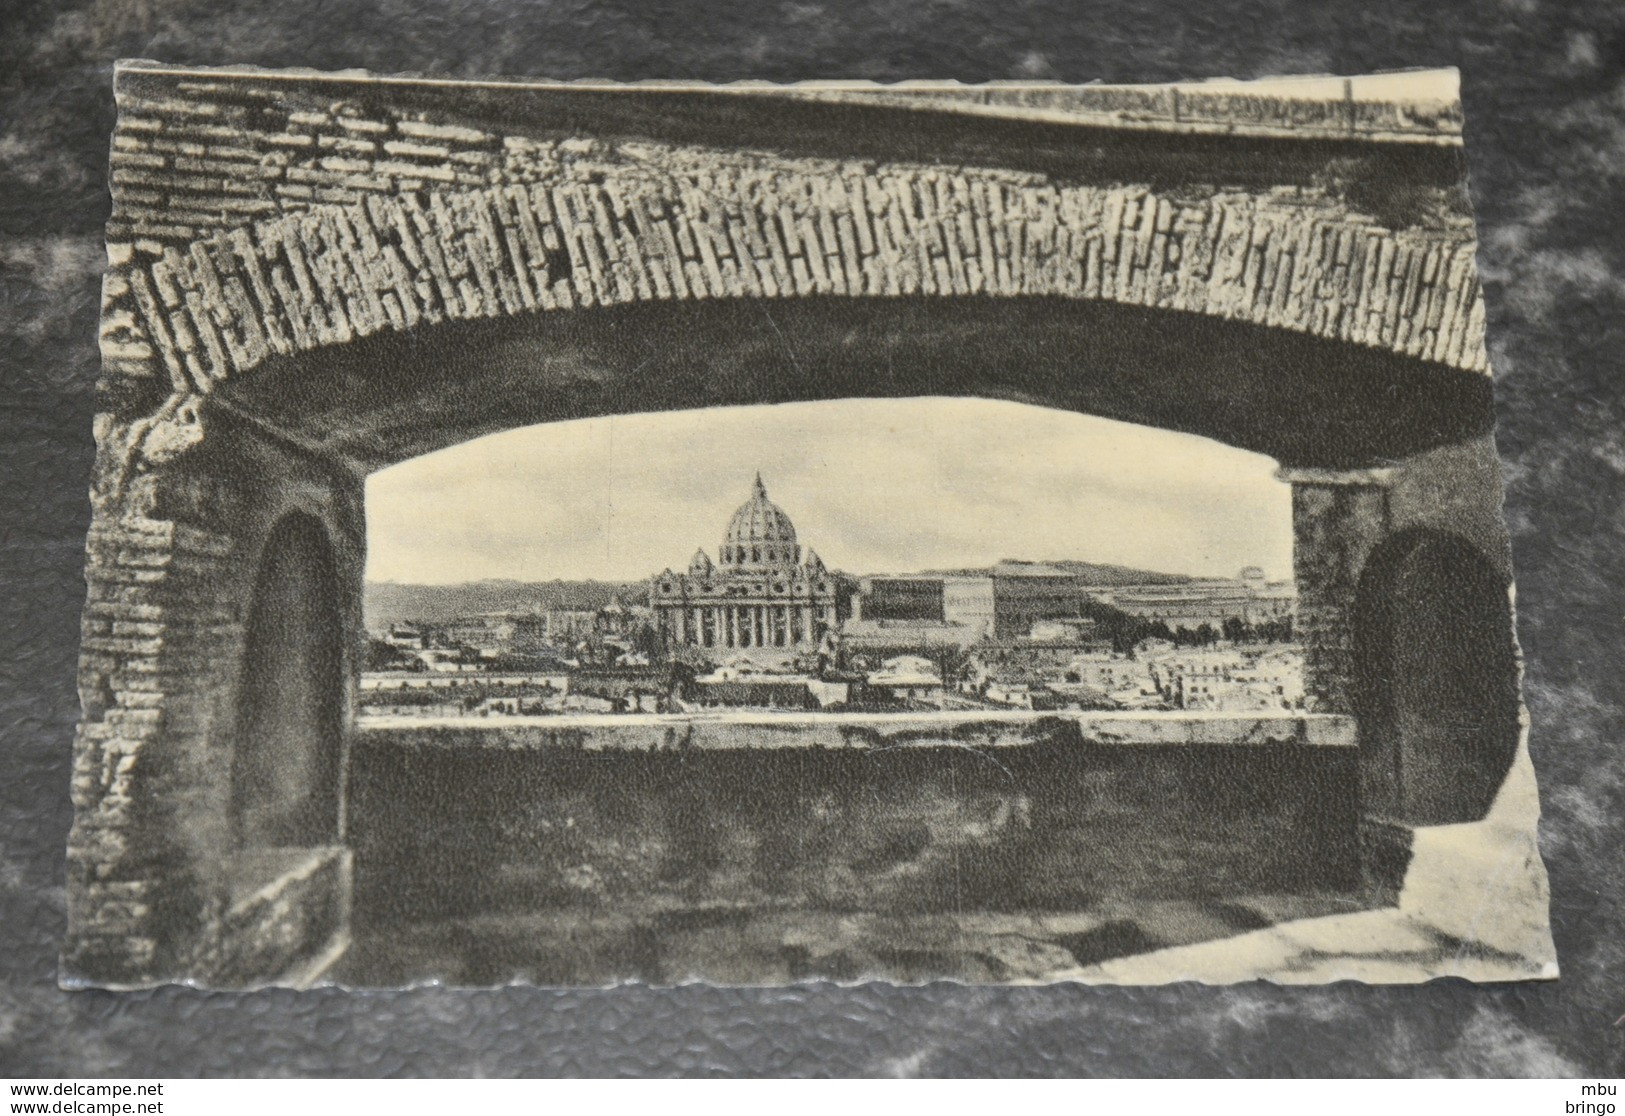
pixel 287 760
pixel 1436 680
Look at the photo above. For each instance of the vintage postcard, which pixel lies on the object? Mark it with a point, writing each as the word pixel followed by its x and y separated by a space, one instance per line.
pixel 587 533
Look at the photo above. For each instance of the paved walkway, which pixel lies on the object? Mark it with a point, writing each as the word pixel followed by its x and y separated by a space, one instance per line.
pixel 1474 905
pixel 1380 947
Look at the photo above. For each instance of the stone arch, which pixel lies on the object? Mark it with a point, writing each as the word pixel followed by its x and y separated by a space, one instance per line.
pixel 287 766
pixel 1238 298
pixel 1435 679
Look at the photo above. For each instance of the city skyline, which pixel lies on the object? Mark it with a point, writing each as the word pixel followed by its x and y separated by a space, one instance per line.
pixel 874 486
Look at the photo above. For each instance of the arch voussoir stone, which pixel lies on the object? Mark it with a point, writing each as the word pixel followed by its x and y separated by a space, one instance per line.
pixel 679 224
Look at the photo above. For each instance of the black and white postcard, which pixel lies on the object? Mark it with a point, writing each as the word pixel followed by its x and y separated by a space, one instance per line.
pixel 575 534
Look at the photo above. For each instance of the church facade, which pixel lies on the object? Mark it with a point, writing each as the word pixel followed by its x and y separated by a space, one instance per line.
pixel 762 592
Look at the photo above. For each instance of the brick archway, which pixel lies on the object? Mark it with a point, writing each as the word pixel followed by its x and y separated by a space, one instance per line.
pixel 312 278
pixel 260 218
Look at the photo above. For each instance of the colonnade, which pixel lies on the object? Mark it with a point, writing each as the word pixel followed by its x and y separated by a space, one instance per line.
pixel 747 625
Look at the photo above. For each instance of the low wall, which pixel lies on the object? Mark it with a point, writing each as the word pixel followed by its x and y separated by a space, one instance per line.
pixel 652 814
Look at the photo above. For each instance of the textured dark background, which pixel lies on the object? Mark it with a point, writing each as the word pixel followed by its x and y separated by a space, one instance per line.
pixel 1544 85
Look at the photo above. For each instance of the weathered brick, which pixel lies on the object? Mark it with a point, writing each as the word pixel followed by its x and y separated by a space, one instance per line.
pixel 668 231
pixel 359 124
pixel 451 132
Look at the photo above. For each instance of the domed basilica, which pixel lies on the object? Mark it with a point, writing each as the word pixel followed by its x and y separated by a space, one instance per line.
pixel 762 593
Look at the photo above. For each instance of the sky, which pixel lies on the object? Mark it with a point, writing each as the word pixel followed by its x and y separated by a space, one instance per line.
pixel 875 486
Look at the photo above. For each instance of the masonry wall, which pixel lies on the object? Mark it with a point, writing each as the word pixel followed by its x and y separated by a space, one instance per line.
pixel 253 218
pixel 1336 522
pixel 597 844
pixel 170 569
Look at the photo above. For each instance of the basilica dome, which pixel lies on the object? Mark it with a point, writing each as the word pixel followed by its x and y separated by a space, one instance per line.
pixel 760 534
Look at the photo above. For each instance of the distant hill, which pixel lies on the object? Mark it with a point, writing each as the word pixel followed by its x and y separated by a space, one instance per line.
pixel 1087 573
pixel 389 602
